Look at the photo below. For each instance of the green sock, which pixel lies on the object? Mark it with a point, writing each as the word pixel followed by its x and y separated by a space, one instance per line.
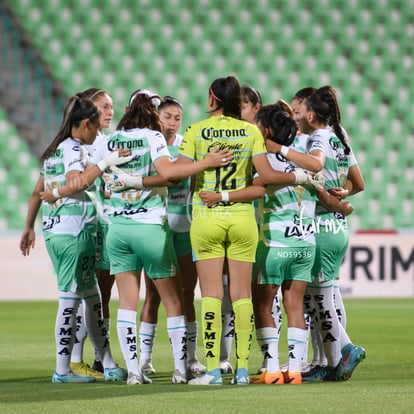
pixel 243 328
pixel 211 327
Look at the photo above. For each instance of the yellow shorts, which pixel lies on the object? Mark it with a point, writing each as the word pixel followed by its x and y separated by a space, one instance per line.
pixel 232 235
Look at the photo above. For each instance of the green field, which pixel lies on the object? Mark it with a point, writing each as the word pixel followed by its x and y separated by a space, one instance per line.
pixel 383 383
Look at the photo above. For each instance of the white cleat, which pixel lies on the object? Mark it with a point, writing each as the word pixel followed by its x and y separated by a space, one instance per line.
pixel 178 378
pixel 196 367
pixel 209 378
pixel 138 379
pixel 147 367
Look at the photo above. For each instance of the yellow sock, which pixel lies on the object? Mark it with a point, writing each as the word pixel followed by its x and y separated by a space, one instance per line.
pixel 243 328
pixel 211 328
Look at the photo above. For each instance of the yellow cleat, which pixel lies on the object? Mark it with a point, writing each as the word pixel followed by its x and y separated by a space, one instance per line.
pixel 85 370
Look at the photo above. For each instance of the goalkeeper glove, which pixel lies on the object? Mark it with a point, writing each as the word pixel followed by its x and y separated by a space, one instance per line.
pixel 120 180
pixel 112 159
pixel 306 178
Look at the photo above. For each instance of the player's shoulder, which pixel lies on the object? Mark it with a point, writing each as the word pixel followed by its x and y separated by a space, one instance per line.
pixel 178 140
pixel 69 145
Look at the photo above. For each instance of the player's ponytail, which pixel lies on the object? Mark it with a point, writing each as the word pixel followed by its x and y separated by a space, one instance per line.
pixel 282 128
pixel 77 109
pixel 227 95
pixel 142 113
pixel 327 94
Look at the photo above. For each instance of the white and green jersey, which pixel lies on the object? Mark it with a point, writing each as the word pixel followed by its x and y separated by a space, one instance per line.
pixel 336 165
pixel 73 214
pixel 179 197
pixel 148 205
pixel 352 160
pixel 96 154
pixel 287 213
pixel 300 142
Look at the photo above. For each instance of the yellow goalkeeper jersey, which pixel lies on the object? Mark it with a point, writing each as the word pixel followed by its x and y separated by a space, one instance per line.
pixel 242 138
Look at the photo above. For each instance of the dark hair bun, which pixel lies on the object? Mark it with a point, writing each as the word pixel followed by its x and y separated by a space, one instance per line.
pixel 284 128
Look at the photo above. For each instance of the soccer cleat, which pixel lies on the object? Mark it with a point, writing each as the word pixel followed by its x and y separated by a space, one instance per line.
pixel 115 374
pixel 212 377
pixel 292 377
pixel 267 377
pixel 97 366
pixel 312 370
pixel 226 367
pixel 305 367
pixel 309 367
pixel 241 377
pixel 80 368
pixel 195 366
pixel 274 377
pixel 71 377
pixel 138 379
pixel 147 367
pixel 352 355
pixel 258 379
pixel 320 374
pixel 178 378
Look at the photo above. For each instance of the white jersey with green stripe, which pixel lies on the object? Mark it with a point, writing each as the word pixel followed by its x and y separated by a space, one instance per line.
pixel 287 213
pixel 352 159
pixel 73 214
pixel 300 142
pixel 242 138
pixel 336 167
pixel 179 197
pixel 148 205
pixel 96 154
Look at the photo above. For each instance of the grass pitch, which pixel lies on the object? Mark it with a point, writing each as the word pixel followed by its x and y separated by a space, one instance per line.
pixel 383 383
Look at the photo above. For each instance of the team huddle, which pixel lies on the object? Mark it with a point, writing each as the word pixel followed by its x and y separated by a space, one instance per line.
pixel 247 201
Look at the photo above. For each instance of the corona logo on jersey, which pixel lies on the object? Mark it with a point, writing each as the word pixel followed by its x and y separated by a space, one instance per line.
pixel 115 144
pixel 210 133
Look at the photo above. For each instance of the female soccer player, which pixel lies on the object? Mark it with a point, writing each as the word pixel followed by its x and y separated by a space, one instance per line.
pixel 104 103
pixel 327 148
pixel 228 229
pixel 251 103
pixel 179 218
pixel 68 229
pixel 139 236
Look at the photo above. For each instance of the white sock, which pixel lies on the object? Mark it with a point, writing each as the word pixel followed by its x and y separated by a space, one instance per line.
pixel 177 332
pixel 318 357
pixel 192 330
pixel 318 353
pixel 277 313
pixel 147 333
pixel 81 334
pixel 296 342
pixel 339 305
pixel 328 321
pixel 95 325
pixel 65 330
pixel 107 325
pixel 126 325
pixel 268 340
pixel 307 323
